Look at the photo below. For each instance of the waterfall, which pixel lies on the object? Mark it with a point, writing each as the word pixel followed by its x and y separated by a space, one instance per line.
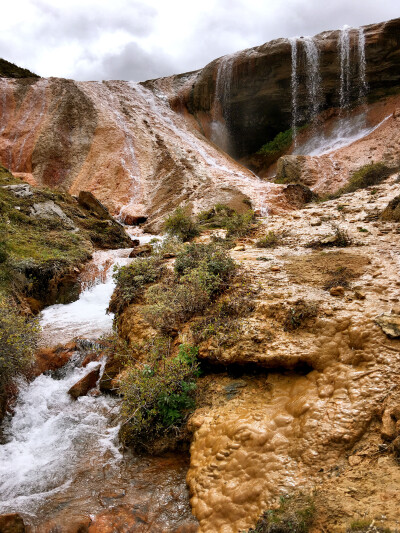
pixel 294 87
pixel 345 73
pixel 362 64
pixel 313 76
pixel 219 129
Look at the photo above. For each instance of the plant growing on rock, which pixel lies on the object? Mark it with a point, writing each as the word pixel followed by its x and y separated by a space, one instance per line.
pixel 371 174
pixel 181 225
pixel 223 216
pixel 18 341
pixel 270 240
pixel 158 396
pixel 295 514
pixel 201 272
pixel 298 313
pixel 132 279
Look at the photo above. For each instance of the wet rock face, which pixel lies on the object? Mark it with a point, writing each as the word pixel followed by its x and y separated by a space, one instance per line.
pixel 84 385
pixel 258 105
pixel 12 523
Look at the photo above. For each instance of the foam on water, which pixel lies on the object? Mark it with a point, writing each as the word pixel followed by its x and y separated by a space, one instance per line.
pixel 51 438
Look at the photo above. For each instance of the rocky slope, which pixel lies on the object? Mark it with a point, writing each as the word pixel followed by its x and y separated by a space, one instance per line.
pixel 309 398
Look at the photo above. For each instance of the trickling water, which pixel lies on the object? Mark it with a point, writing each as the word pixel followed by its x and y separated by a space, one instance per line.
pixel 220 110
pixel 313 76
pixel 294 87
pixel 362 64
pixel 4 107
pixel 345 73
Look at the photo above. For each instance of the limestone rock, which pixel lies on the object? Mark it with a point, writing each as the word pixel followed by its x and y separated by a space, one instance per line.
pixel 20 191
pixel 12 523
pixel 141 251
pixel 84 385
pixel 337 291
pixel 89 201
pixel 49 211
pixel 390 324
pixel 298 194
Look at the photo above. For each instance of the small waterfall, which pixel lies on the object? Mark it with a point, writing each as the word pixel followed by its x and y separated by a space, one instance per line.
pixel 294 87
pixel 313 80
pixel 219 129
pixel 345 70
pixel 362 65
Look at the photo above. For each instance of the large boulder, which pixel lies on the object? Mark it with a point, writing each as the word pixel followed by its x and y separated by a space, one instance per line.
pixel 84 385
pixel 88 200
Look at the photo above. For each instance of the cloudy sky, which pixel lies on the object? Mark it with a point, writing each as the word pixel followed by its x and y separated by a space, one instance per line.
pixel 138 39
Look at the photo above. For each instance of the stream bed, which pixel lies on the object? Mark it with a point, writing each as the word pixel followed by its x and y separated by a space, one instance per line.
pixel 61 465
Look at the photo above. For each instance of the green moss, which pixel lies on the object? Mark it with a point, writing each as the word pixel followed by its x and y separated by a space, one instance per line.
pixel 33 243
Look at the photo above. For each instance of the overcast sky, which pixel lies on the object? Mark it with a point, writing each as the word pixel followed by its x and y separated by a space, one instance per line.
pixel 138 40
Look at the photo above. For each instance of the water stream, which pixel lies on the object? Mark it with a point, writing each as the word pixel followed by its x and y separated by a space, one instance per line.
pixel 60 460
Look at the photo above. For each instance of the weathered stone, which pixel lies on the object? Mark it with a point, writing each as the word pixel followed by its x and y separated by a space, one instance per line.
pixel 84 385
pixel 49 211
pixel 87 200
pixel 337 291
pixel 12 523
pixel 297 194
pixel 21 191
pixel 141 251
pixel 53 358
pixel 134 220
pixel 392 210
pixel 390 324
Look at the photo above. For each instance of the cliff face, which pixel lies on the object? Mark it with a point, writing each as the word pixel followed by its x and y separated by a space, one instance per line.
pixel 256 101
pixel 143 149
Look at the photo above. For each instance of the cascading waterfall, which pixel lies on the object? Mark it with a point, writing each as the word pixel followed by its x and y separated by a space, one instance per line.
pixel 219 130
pixel 294 86
pixel 345 70
pixel 362 65
pixel 313 76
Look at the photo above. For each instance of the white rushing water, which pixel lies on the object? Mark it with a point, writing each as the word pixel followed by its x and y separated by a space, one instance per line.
pixel 219 129
pixel 313 80
pixel 345 131
pixel 294 87
pixel 87 317
pixel 345 73
pixel 51 438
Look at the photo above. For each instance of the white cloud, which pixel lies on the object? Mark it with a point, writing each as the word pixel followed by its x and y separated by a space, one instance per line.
pixel 138 39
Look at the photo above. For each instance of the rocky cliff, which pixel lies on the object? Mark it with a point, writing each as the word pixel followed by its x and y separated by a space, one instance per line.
pixel 143 149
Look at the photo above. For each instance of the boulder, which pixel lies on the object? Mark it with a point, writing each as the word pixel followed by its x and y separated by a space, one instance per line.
pixel 390 324
pixel 22 190
pixel 392 210
pixel 53 358
pixel 134 220
pixel 298 195
pixel 141 251
pixel 12 523
pixel 84 385
pixel 51 211
pixel 337 291
pixel 87 200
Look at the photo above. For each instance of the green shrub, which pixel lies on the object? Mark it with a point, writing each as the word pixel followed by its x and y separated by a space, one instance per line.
pixel 201 272
pixel 240 225
pixel 340 239
pixel 270 240
pixel 392 210
pixel 180 225
pixel 159 395
pixel 132 279
pixel 294 515
pixel 368 175
pixel 279 143
pixel 18 341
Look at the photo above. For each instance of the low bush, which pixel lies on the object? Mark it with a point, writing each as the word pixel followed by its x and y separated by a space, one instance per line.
pixel 368 175
pixel 278 145
pixel 392 210
pixel 366 526
pixel 158 396
pixel 294 515
pixel 223 216
pixel 132 279
pixel 18 341
pixel 270 240
pixel 299 313
pixel 181 225
pixel 201 272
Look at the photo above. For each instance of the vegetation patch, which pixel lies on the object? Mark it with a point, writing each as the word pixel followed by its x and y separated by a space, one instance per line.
pixel 222 216
pixel 179 224
pixel 299 313
pixel 294 515
pixel 158 396
pixel 10 70
pixel 18 341
pixel 391 213
pixel 270 240
pixel 201 272
pixel 132 279
pixel 366 526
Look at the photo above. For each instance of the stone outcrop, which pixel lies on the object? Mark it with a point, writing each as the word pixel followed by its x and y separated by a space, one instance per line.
pixel 85 384
pixel 12 523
